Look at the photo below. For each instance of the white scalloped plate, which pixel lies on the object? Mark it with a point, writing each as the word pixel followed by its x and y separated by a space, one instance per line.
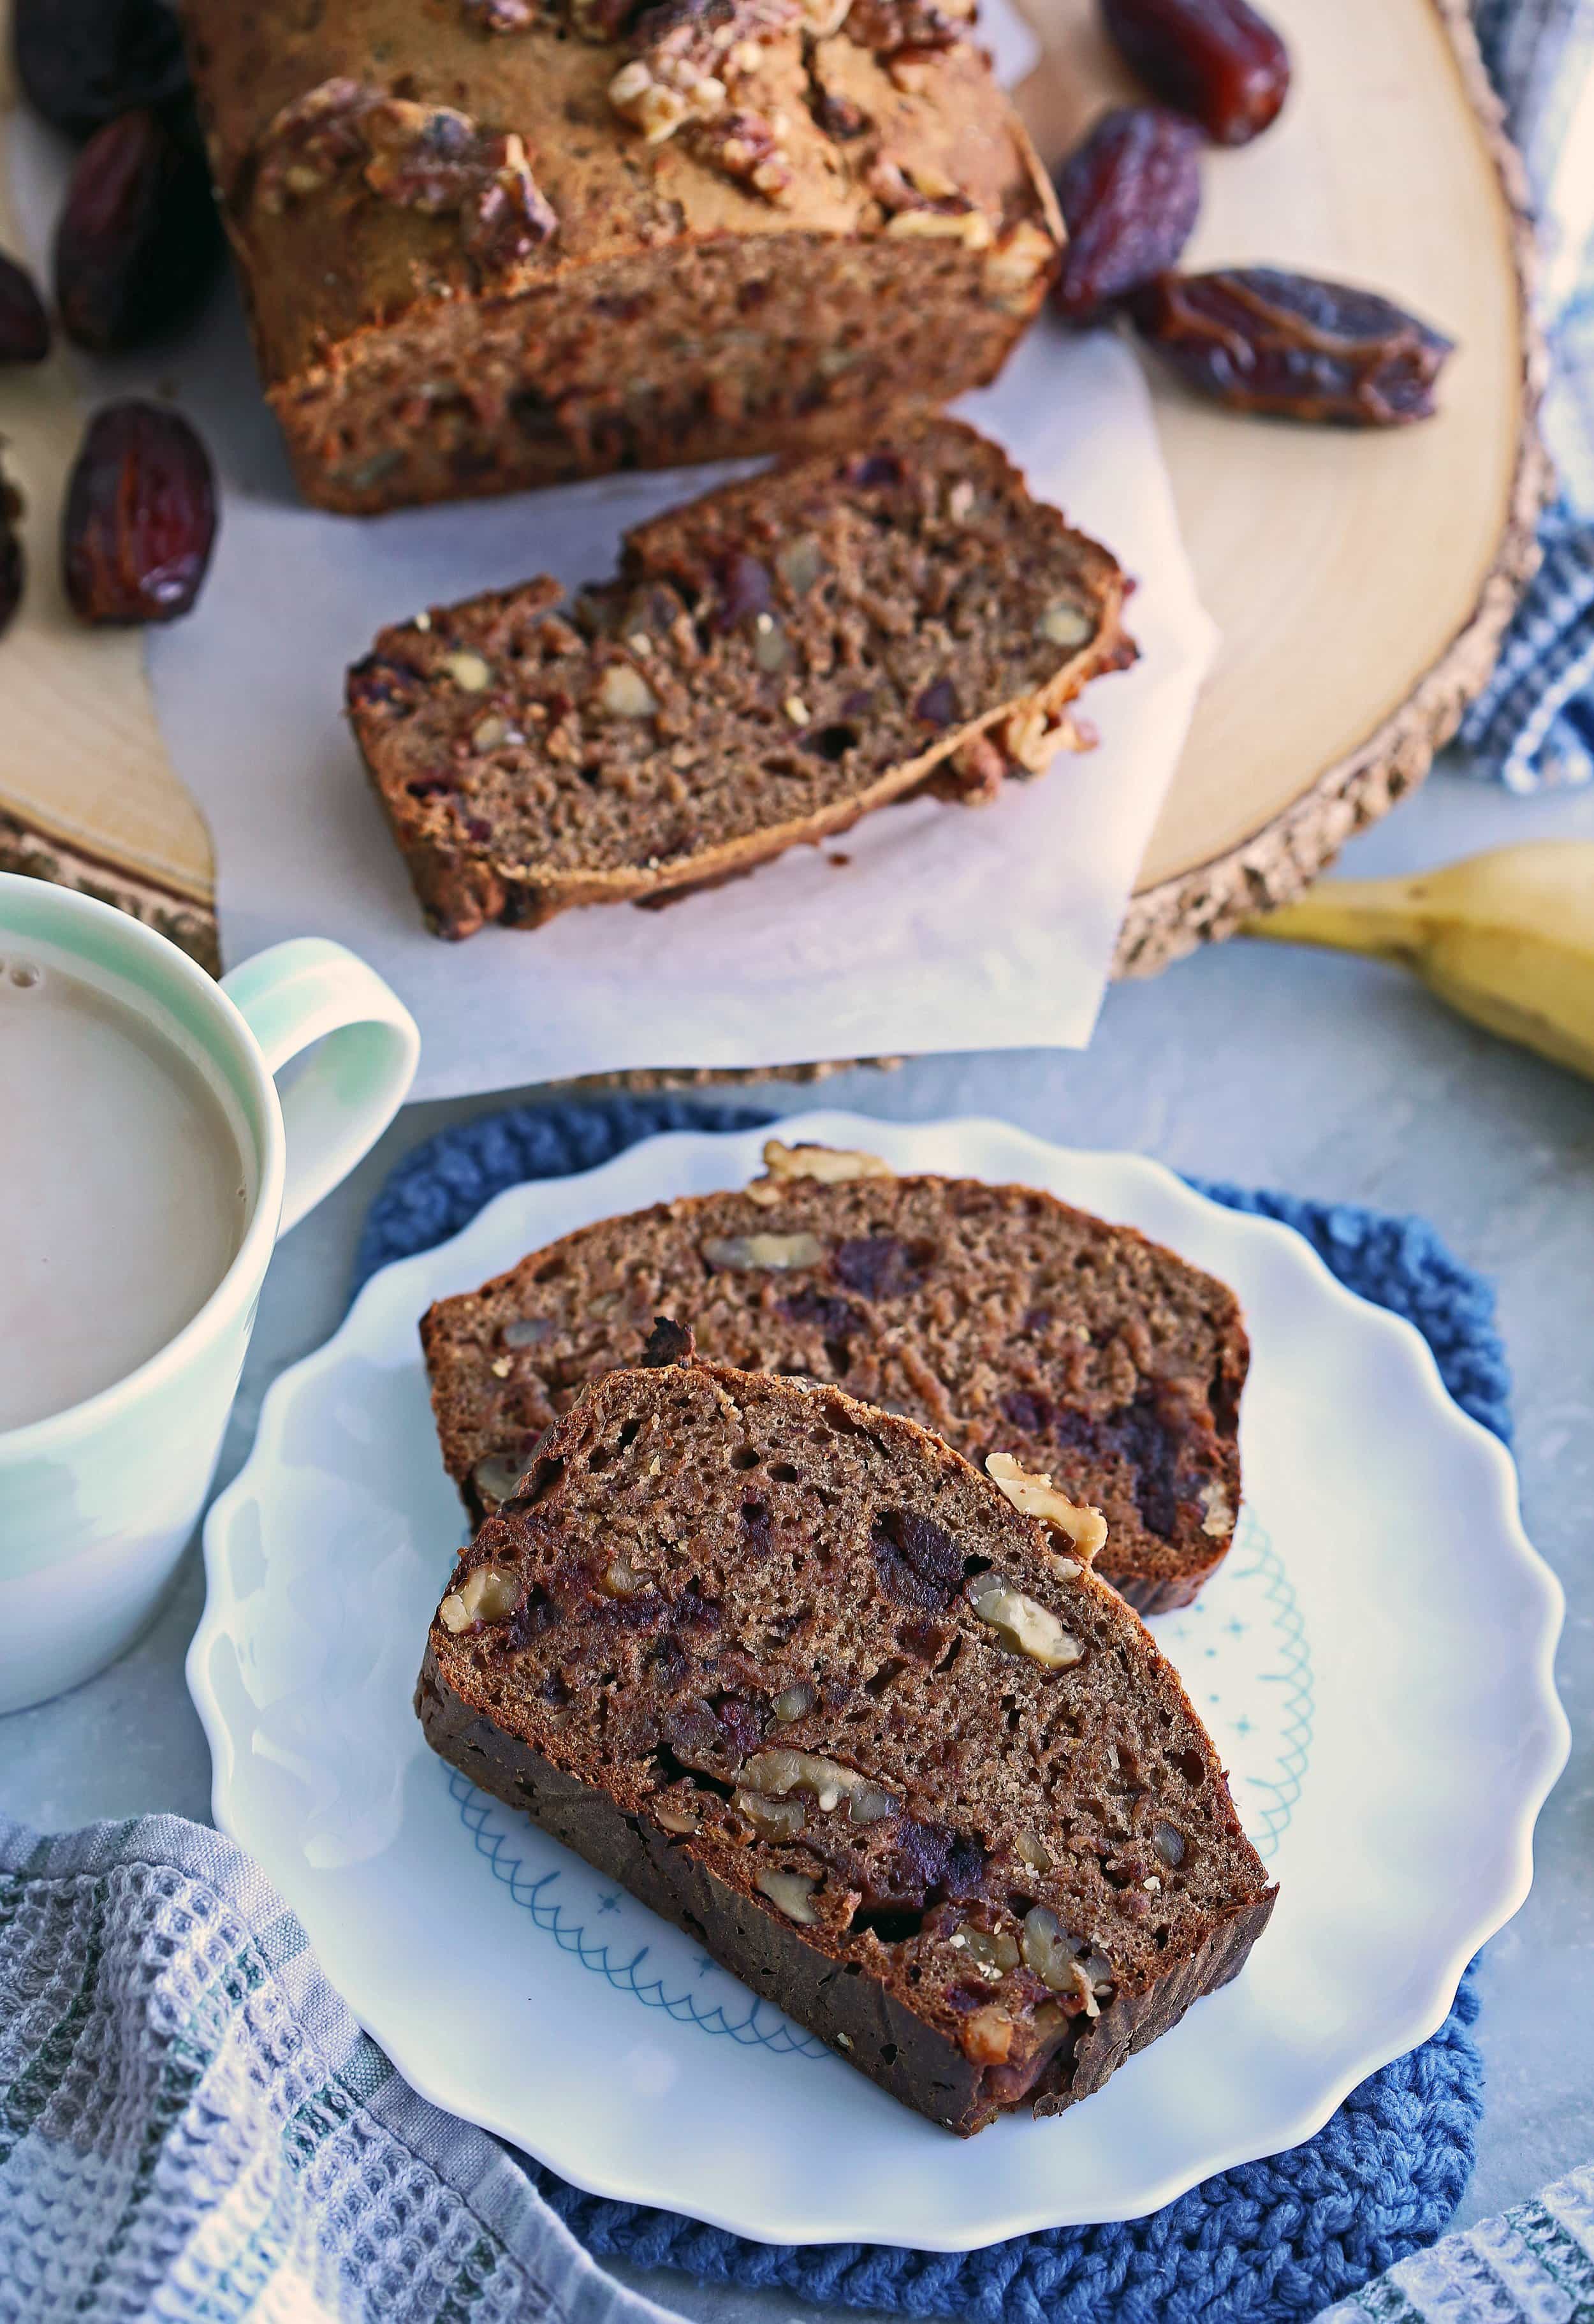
pixel 1374 1661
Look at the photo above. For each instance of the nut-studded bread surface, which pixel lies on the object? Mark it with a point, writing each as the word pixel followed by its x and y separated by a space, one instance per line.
pixel 774 659
pixel 995 1315
pixel 491 244
pixel 815 1689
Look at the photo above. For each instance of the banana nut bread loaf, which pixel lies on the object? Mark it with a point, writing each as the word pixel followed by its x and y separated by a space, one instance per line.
pixel 995 1315
pixel 774 659
pixel 817 1691
pixel 491 243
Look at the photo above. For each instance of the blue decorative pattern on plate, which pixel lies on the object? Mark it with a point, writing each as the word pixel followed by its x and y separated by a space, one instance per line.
pixel 1374 1660
pixel 639 1941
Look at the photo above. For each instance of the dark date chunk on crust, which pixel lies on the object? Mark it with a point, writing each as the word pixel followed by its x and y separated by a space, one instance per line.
pixel 995 1315
pixel 816 1690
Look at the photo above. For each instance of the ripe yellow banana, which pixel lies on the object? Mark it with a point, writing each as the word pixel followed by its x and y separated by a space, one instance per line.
pixel 1507 938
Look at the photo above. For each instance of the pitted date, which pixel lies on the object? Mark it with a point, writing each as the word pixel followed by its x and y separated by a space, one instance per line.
pixel 25 327
pixel 1130 192
pixel 140 517
pixel 1216 59
pixel 81 63
pixel 139 240
pixel 13 569
pixel 1261 340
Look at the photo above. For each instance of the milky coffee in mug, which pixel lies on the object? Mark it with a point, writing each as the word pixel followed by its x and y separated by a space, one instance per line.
pixel 124 1187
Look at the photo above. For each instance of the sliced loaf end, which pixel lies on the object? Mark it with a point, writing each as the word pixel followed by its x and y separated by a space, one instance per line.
pixel 814 1688
pixel 772 661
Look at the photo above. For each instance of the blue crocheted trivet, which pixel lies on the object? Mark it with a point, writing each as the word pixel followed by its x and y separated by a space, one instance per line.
pixel 1276 2239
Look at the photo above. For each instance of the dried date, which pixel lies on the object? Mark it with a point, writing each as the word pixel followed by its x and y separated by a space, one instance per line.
pixel 25 327
pixel 1261 340
pixel 1130 192
pixel 139 241
pixel 140 518
pixel 81 63
pixel 12 568
pixel 1216 59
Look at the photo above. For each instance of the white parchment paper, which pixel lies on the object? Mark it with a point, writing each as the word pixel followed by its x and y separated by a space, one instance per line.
pixel 926 928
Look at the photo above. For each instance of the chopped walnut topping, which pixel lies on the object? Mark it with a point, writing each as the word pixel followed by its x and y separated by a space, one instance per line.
pixel 829 1164
pixel 744 145
pixel 501 15
pixel 687 55
pixel 910 210
pixel 708 32
pixel 658 107
pixel 1037 1496
pixel 887 26
pixel 419 157
pixel 508 215
pixel 963 223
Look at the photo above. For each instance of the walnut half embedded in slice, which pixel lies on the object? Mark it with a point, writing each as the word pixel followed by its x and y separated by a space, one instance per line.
pixel 829 1164
pixel 1037 1496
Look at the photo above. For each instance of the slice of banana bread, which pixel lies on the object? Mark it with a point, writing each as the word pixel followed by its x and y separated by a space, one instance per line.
pixel 819 1692
pixel 993 1315
pixel 772 661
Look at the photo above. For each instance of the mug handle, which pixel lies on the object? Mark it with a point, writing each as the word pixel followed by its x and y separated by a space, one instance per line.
pixel 337 1106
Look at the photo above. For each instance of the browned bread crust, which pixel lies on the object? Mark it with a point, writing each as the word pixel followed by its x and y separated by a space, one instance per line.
pixel 471 269
pixel 812 1687
pixel 995 1315
pixel 774 661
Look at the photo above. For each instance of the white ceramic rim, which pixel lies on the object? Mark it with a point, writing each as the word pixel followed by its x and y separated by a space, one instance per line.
pixel 37 1438
pixel 1480 1914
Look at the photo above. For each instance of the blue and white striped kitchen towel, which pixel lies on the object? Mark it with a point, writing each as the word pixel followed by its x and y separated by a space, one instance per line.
pixel 1533 726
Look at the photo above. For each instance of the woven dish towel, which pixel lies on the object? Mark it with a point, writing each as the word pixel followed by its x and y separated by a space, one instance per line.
pixel 192 2127
pixel 1533 724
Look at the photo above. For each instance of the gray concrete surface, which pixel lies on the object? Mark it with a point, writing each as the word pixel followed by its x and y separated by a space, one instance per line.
pixel 1326 1075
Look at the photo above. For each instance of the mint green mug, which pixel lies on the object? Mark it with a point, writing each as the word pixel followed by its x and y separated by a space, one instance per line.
pixel 97 1501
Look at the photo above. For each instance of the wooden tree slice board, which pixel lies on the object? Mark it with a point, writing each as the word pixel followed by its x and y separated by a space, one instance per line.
pixel 1361 581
